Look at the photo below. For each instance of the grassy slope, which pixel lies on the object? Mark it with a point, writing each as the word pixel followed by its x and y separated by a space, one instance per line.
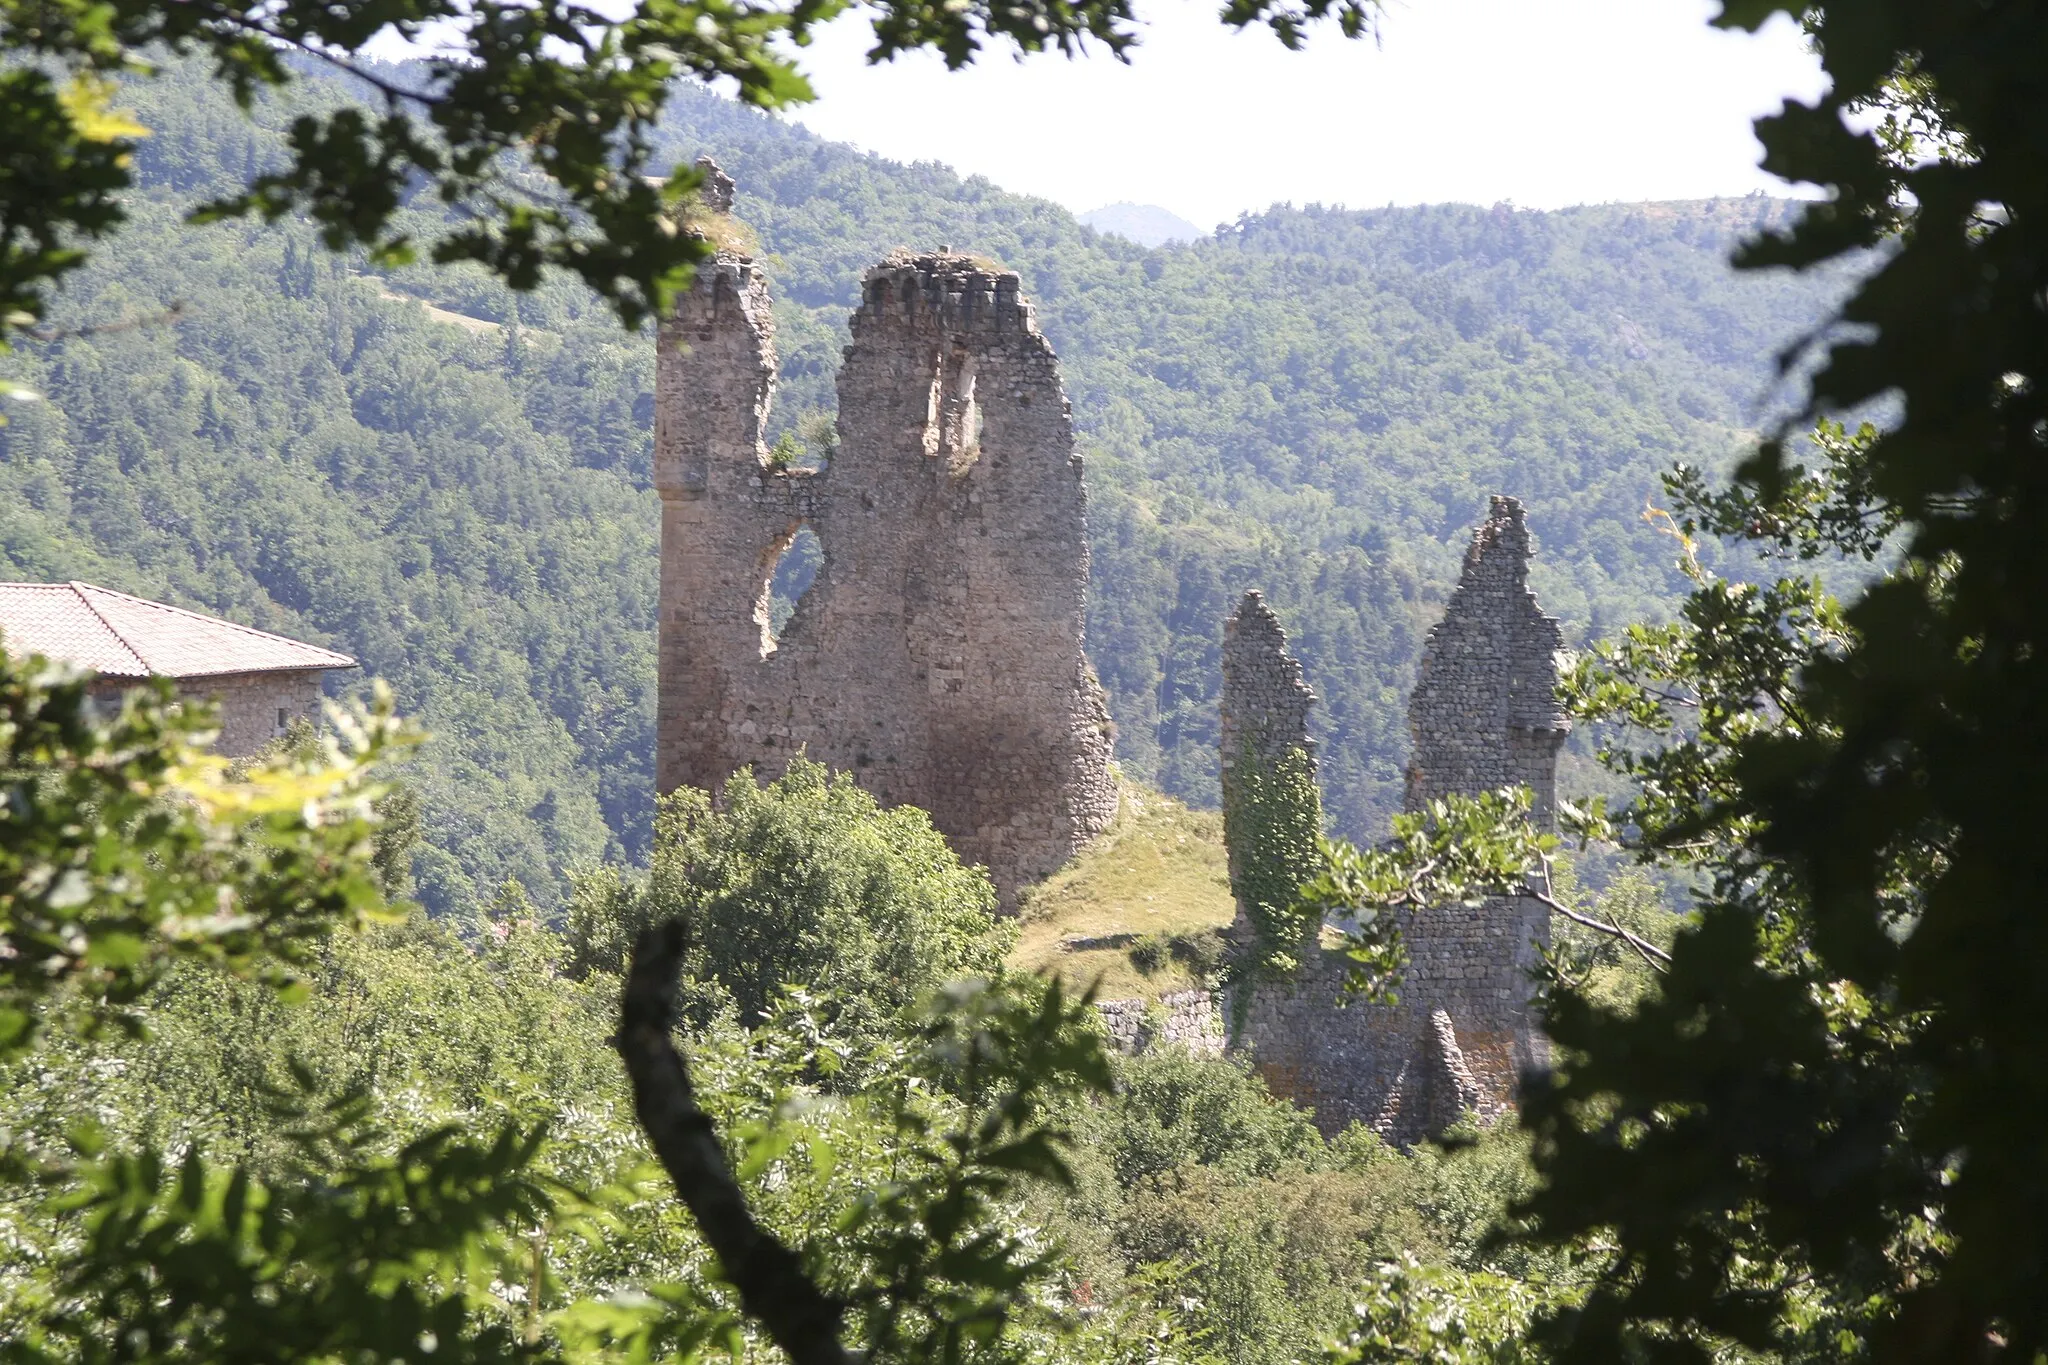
pixel 1158 871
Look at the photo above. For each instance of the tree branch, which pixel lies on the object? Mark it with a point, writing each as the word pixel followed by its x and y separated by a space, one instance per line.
pixel 393 93
pixel 1650 952
pixel 773 1287
pixel 175 313
pixel 1655 957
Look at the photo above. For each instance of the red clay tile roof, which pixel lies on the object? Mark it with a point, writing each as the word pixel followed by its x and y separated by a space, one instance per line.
pixel 125 637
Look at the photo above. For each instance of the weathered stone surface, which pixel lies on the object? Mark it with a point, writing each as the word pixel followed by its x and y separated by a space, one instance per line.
pixel 938 655
pixel 1484 715
pixel 1485 712
pixel 718 187
pixel 1182 1019
pixel 255 708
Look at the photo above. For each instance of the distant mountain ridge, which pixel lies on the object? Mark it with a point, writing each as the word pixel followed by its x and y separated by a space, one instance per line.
pixel 1312 401
pixel 1145 224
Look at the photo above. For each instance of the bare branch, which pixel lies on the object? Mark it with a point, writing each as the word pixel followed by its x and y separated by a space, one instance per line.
pixel 1420 877
pixel 1670 698
pixel 773 1287
pixel 1649 952
pixel 394 94
pixel 174 314
pixel 1655 957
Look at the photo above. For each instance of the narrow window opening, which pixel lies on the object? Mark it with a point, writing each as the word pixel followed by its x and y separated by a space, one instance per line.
pixel 280 718
pixel 935 413
pixel 790 576
pixel 960 422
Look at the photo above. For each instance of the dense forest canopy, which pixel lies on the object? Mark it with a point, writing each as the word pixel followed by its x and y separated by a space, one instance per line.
pixel 1313 400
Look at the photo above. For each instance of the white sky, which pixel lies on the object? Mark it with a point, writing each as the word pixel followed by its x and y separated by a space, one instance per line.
pixel 1540 104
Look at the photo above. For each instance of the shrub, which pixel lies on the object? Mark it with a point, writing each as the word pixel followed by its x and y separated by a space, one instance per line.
pixel 1150 953
pixel 1173 1108
pixel 806 880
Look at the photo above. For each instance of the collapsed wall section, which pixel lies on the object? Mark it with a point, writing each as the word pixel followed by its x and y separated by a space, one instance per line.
pixel 1484 714
pixel 938 654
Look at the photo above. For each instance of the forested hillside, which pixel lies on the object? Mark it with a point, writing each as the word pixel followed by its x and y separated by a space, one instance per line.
pixel 1314 402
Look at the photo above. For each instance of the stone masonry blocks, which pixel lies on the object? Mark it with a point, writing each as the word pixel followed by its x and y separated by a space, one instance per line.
pixel 938 655
pixel 1484 715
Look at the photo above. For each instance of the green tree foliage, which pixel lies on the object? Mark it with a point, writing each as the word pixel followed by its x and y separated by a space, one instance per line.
pixel 429 1142
pixel 536 122
pixel 1264 1230
pixel 1178 1109
pixel 1410 1311
pixel 1830 1101
pixel 350 1254
pixel 804 881
pixel 130 854
pixel 1815 1135
pixel 124 846
pixel 447 1172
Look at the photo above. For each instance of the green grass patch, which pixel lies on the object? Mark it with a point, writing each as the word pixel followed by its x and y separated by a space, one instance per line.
pixel 1159 875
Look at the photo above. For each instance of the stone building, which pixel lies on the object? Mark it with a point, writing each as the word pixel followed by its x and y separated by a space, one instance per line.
pixel 261 682
pixel 1484 715
pixel 938 654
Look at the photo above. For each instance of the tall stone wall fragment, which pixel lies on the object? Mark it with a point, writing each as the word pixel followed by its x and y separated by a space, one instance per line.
pixel 938 654
pixel 1484 714
pixel 1264 712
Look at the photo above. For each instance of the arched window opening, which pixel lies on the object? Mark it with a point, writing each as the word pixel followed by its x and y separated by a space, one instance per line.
pixel 791 575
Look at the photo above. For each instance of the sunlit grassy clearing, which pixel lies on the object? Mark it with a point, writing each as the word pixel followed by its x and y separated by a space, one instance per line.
pixel 1159 869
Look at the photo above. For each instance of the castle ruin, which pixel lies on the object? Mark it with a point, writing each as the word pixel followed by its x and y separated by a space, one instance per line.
pixel 1484 715
pixel 1263 715
pixel 938 654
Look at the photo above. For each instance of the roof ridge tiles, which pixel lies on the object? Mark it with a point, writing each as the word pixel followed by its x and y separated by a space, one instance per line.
pixel 78 590
pixel 335 657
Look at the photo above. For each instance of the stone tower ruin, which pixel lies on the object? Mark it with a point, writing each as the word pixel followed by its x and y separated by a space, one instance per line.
pixel 1484 715
pixel 938 654
pixel 1265 700
pixel 1263 710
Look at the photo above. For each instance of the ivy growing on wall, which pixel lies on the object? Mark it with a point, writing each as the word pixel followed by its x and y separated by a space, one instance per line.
pixel 1272 825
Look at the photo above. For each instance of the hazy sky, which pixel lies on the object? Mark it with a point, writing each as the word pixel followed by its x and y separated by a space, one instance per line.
pixel 1541 104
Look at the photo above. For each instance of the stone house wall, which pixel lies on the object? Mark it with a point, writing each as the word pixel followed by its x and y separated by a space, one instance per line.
pixel 255 708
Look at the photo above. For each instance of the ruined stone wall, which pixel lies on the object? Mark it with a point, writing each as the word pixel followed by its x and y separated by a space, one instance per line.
pixel 1265 700
pixel 1484 715
pixel 1485 712
pixel 938 655
pixel 1191 1020
pixel 1263 709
